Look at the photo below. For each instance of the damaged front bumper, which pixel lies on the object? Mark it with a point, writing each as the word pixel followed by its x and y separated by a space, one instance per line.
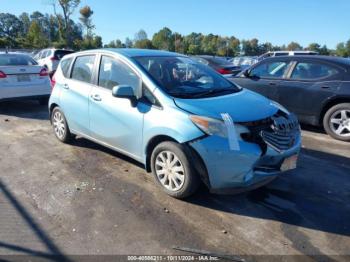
pixel 250 166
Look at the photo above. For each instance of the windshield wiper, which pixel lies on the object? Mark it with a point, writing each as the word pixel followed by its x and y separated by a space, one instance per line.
pixel 213 92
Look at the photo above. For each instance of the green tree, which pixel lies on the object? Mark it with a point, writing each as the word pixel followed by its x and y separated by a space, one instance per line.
pixel 140 35
pixel 65 24
pixel 85 18
pixel 128 43
pixel 35 37
pixel 294 46
pixel 251 47
pixel 143 44
pixel 25 21
pixel 10 27
pixel 192 43
pixel 164 40
pixel 342 50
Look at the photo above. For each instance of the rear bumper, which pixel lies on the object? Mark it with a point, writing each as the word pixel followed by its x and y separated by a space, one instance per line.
pixel 240 170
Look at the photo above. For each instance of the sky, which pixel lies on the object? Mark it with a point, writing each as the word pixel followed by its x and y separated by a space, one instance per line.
pixel 276 21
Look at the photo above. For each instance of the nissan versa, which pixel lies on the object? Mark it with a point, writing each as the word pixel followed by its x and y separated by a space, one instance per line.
pixel 182 120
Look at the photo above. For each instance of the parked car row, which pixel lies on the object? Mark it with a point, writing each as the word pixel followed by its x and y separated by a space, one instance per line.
pixel 219 64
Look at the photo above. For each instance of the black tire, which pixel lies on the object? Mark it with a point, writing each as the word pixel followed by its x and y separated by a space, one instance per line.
pixel 328 125
pixel 44 101
pixel 191 179
pixel 66 136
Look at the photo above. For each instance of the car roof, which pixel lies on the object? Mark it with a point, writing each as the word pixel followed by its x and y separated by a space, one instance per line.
pixel 332 59
pixel 134 52
pixel 14 53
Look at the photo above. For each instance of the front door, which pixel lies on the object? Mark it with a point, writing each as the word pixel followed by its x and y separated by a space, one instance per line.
pixel 264 78
pixel 116 121
pixel 308 86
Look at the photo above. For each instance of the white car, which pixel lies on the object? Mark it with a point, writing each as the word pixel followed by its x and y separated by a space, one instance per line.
pixel 50 58
pixel 285 53
pixel 22 77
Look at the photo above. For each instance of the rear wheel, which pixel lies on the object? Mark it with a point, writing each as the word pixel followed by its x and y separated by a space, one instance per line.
pixel 60 126
pixel 172 170
pixel 336 122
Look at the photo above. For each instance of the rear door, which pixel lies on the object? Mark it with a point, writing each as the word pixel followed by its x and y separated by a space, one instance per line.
pixel 309 83
pixel 265 77
pixel 75 93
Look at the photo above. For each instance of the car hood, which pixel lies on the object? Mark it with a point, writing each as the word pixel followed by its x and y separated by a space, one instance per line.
pixel 242 106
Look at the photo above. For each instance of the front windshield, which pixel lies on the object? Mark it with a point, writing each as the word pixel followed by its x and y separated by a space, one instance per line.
pixel 184 77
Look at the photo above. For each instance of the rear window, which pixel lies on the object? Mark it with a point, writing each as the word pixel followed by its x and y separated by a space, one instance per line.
pixel 59 54
pixel 65 65
pixel 312 70
pixel 16 60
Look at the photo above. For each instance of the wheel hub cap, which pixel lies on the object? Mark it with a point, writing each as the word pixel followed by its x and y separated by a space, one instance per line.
pixel 170 171
pixel 58 124
pixel 340 122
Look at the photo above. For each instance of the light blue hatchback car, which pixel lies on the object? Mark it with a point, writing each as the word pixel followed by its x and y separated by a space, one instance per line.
pixel 182 120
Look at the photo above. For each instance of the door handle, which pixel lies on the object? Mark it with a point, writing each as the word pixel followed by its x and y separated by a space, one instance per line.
pixel 272 84
pixel 65 86
pixel 96 97
pixel 325 87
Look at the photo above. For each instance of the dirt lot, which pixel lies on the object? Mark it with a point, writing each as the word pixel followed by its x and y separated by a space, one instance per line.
pixel 83 199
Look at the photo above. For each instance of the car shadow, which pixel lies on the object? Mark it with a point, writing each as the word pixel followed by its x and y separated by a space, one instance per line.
pixel 53 252
pixel 310 197
pixel 85 143
pixel 315 129
pixel 30 109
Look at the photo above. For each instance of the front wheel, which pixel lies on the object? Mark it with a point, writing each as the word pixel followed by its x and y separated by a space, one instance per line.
pixel 336 122
pixel 172 170
pixel 60 125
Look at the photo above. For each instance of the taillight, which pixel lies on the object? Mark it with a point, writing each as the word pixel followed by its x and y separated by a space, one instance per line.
pixel 44 72
pixel 53 58
pixel 53 82
pixel 224 71
pixel 2 75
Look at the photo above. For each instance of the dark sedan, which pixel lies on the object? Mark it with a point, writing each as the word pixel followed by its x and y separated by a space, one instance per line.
pixel 219 64
pixel 316 88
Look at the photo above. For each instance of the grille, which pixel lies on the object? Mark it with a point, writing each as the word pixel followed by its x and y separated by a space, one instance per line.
pixel 278 140
pixel 279 132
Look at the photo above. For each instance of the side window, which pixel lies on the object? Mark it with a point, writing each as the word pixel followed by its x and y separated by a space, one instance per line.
pixel 113 72
pixel 37 56
pixel 65 64
pixel 82 69
pixel 270 70
pixel 44 54
pixel 148 97
pixel 312 70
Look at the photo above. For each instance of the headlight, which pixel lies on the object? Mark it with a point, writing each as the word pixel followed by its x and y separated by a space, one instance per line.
pixel 210 126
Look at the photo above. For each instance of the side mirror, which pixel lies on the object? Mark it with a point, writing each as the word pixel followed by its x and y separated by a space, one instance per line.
pixel 246 73
pixel 123 91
